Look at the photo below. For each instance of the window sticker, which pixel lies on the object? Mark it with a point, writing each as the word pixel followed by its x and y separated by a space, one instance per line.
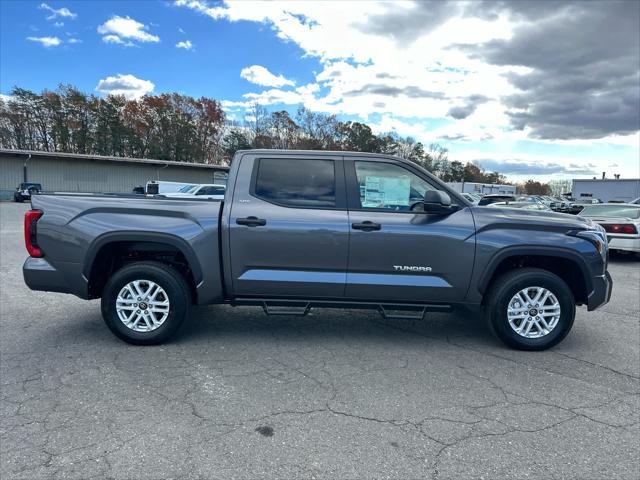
pixel 386 191
pixel 397 190
pixel 373 196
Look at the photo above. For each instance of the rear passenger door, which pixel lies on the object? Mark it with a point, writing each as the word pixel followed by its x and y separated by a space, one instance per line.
pixel 289 232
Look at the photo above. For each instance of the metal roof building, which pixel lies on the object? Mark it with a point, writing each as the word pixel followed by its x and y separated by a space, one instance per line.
pixel 69 172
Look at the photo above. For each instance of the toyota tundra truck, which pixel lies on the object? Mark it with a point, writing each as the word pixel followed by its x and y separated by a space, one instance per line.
pixel 306 229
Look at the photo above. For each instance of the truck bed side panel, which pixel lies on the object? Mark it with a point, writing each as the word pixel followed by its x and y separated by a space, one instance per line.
pixel 75 227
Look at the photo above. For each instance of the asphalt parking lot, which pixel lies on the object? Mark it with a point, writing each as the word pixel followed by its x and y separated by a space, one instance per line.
pixel 336 394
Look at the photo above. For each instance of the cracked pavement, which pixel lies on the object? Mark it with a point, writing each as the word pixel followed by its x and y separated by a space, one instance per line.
pixel 336 394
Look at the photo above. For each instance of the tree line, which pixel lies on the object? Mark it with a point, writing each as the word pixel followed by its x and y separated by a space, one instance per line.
pixel 176 127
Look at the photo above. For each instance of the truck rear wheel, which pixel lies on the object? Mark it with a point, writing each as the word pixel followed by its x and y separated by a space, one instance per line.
pixel 530 309
pixel 145 303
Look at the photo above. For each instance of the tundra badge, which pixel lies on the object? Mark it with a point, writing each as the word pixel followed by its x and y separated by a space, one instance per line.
pixel 411 268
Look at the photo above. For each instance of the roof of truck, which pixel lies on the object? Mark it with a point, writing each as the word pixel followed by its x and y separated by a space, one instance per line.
pixel 339 153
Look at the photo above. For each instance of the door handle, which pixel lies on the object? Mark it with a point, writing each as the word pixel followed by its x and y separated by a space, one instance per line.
pixel 366 226
pixel 251 221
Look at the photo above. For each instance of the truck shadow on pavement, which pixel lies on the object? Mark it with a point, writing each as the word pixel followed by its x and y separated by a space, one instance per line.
pixel 327 324
pixel 217 323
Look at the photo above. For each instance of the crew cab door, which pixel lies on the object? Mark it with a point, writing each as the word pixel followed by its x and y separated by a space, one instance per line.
pixel 288 227
pixel 396 254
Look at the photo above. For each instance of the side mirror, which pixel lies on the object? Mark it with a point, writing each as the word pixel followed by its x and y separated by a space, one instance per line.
pixel 437 202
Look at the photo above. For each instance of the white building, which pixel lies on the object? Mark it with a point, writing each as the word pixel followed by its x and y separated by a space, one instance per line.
pixel 482 188
pixel 607 190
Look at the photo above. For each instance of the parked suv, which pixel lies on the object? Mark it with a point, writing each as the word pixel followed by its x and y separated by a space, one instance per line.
pixel 25 190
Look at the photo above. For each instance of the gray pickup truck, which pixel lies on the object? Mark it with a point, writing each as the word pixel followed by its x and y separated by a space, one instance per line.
pixel 304 229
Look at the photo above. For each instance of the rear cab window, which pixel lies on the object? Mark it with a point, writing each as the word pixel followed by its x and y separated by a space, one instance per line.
pixel 296 182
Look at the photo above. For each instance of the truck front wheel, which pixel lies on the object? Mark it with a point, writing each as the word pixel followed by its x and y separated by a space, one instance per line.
pixel 145 303
pixel 530 309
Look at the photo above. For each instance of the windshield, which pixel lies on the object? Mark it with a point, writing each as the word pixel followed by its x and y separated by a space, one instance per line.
pixel 187 188
pixel 616 211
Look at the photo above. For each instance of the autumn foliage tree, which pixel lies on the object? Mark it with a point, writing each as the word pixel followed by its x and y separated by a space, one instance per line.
pixel 168 126
pixel 532 187
pixel 176 127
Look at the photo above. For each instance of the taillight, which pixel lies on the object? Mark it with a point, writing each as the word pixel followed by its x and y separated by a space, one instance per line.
pixel 30 231
pixel 621 228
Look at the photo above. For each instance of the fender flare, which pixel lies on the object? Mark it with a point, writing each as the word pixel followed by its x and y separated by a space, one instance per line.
pixel 534 251
pixel 136 236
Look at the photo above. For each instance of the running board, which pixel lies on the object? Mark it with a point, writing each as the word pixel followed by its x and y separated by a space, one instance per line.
pixel 389 311
pixel 418 315
pixel 285 310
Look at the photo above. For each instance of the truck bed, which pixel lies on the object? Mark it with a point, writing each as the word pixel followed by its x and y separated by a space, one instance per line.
pixel 75 228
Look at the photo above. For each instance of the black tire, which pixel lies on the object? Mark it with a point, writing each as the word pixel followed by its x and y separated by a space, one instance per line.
pixel 506 286
pixel 169 279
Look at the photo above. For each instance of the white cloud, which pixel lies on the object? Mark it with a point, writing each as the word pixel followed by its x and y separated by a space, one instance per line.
pixel 129 86
pixel 74 40
pixel 125 31
pixel 58 24
pixel 412 82
pixel 261 76
pixel 46 41
pixel 115 39
pixel 59 12
pixel 365 73
pixel 186 44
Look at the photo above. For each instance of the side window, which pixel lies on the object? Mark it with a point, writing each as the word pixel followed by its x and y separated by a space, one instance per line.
pixel 297 182
pixel 211 191
pixel 389 186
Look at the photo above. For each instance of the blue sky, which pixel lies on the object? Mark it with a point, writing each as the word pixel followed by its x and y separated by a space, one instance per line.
pixel 210 68
pixel 462 75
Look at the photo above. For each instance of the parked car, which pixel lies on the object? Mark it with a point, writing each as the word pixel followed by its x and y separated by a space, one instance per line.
pixel 471 197
pixel 559 204
pixel 531 199
pixel 576 206
pixel 523 205
pixel 495 198
pixel 301 229
pixel 155 187
pixel 544 199
pixel 620 221
pixel 210 191
pixel 25 190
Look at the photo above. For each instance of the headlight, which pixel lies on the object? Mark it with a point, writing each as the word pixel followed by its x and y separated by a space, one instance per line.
pixel 595 234
pixel 596 238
